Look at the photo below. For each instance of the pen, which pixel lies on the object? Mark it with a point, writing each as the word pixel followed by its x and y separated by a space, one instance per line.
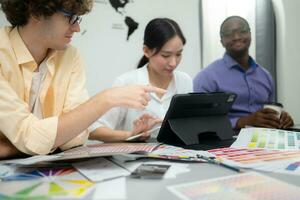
pixel 174 157
pixel 139 135
pixel 214 161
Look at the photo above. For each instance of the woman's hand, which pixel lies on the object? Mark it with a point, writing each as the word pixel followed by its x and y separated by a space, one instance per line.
pixel 143 124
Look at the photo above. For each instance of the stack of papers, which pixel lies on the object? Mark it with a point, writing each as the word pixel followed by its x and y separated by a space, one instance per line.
pixel 250 158
pixel 89 151
pixel 266 138
pixel 107 149
pixel 178 153
pixel 264 149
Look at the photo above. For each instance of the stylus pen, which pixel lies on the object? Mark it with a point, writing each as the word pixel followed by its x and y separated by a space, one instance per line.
pixel 139 135
pixel 214 161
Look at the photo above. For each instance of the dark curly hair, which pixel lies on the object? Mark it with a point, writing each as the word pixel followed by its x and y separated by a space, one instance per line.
pixel 18 11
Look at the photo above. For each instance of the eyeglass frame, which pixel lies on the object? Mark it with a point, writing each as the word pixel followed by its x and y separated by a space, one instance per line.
pixel 73 18
pixel 241 31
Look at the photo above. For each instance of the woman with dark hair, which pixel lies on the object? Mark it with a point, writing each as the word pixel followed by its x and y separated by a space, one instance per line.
pixel 43 100
pixel 163 47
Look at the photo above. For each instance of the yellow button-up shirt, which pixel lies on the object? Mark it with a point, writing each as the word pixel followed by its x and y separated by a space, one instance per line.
pixel 63 90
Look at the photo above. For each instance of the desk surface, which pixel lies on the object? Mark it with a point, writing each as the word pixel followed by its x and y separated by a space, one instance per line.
pixel 156 189
pixel 150 189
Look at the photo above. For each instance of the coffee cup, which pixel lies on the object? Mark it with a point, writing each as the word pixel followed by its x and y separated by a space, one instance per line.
pixel 274 106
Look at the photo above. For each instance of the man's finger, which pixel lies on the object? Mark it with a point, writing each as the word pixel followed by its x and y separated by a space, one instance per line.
pixel 271 124
pixel 269 111
pixel 288 122
pixel 271 117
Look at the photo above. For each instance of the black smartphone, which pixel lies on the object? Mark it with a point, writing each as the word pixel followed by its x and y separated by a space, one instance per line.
pixel 150 171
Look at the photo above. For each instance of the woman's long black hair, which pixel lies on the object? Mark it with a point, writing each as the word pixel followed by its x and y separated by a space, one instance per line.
pixel 157 33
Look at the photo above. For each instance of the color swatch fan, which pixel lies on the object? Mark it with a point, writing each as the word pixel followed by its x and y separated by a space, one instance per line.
pixel 267 138
pixel 59 183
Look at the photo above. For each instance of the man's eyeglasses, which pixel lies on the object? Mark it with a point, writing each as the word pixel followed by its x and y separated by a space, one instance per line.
pixel 72 17
pixel 240 31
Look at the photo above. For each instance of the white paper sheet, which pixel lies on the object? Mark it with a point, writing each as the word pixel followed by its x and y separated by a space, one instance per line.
pixel 100 169
pixel 6 170
pixel 31 160
pixel 112 189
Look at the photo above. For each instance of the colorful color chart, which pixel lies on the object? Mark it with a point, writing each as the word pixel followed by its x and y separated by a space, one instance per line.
pixel 242 187
pixel 177 153
pixel 45 183
pixel 112 148
pixel 293 166
pixel 253 156
pixel 89 151
pixel 268 139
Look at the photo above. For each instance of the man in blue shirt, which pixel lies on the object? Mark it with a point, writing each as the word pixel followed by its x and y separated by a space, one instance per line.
pixel 238 72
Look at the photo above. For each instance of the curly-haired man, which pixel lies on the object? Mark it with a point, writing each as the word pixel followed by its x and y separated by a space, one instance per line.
pixel 43 101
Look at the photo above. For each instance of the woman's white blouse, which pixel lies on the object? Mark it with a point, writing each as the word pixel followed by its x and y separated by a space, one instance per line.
pixel 120 118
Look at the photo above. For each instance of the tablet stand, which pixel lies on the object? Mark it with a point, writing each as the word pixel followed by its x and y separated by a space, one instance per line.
pixel 197 130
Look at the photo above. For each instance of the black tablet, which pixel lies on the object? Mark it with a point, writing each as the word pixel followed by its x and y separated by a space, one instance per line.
pixel 197 117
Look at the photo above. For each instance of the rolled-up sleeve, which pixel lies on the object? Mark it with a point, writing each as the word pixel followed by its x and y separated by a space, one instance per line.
pixel 26 132
pixel 62 90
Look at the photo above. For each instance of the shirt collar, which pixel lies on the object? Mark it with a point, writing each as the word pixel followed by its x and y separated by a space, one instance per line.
pixel 231 63
pixel 22 53
pixel 144 79
pixel 143 76
pixel 50 61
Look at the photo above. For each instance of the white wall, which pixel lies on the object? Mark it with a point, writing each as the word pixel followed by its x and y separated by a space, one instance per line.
pixel 108 54
pixel 288 53
pixel 102 40
pixel 214 13
pixel 3 21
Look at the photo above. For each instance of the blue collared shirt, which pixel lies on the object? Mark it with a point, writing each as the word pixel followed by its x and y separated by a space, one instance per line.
pixel 253 87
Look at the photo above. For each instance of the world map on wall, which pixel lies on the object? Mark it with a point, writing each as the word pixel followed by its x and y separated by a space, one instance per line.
pixel 119 7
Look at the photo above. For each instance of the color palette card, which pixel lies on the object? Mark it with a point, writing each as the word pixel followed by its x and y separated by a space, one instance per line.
pixel 268 139
pixel 295 166
pixel 247 186
pixel 111 149
pixel 246 157
pixel 291 167
pixel 278 161
pixel 46 183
